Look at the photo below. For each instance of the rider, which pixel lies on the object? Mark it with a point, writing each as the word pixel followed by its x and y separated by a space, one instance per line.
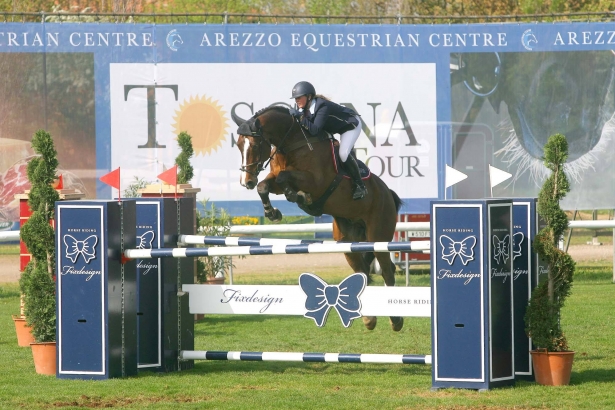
pixel 317 113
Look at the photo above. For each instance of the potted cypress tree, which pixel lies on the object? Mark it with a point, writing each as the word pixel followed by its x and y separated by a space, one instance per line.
pixel 186 171
pixel 552 358
pixel 37 282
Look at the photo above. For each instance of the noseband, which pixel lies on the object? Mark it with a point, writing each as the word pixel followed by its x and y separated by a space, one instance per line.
pixel 258 135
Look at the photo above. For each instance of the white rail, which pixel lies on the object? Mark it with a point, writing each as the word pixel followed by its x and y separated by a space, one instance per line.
pixel 9 236
pixel 308 228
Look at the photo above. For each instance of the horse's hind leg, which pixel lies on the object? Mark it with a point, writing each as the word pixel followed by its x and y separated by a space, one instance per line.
pixel 381 230
pixel 345 230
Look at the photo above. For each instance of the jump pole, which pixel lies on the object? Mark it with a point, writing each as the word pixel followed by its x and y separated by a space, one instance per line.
pixel 351 247
pixel 306 357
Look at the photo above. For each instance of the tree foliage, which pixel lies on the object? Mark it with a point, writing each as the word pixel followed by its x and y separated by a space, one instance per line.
pixel 186 171
pixel 37 282
pixel 314 7
pixel 542 317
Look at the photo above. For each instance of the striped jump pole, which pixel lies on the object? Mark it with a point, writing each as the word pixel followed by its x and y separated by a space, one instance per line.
pixel 305 357
pixel 243 241
pixel 350 247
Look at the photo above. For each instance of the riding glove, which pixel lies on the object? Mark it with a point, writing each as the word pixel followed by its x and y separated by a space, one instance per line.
pixel 294 112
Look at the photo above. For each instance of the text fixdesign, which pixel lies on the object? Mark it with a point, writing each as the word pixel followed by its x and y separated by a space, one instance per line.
pixel 90 273
pixel 448 274
pixel 519 272
pixel 147 266
pixel 500 274
pixel 232 295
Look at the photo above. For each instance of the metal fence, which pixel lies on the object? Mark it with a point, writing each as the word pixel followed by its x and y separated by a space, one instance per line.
pixel 253 18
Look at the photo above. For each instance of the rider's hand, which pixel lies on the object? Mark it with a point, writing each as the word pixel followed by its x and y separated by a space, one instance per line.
pixel 294 112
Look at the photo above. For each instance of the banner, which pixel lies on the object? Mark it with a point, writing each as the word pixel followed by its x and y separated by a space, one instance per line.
pixel 466 96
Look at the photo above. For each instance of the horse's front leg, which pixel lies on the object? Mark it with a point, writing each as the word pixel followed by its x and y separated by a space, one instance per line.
pixel 291 181
pixel 263 188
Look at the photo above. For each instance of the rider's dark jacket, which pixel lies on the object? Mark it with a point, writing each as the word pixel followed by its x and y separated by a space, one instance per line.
pixel 328 116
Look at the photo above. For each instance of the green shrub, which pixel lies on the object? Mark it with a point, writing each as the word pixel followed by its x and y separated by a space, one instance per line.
pixel 542 317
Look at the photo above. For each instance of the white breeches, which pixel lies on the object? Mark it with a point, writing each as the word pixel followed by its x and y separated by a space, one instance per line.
pixel 348 139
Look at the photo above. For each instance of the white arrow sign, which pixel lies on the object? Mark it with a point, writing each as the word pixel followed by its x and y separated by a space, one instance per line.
pixel 497 176
pixel 453 176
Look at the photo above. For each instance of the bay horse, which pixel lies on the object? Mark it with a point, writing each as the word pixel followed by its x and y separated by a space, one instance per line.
pixel 302 168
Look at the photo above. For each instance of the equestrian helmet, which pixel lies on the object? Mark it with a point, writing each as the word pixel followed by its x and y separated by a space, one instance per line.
pixel 303 88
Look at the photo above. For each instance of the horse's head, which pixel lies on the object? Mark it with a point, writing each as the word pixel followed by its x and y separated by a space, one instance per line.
pixel 254 147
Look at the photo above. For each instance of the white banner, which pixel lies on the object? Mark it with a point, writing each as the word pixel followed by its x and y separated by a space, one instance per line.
pixel 290 300
pixel 151 104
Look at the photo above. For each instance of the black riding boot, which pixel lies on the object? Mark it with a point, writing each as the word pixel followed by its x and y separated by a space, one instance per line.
pixel 359 191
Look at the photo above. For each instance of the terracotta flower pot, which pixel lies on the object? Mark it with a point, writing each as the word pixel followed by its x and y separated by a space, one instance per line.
pixel 215 281
pixel 24 334
pixel 552 368
pixel 44 355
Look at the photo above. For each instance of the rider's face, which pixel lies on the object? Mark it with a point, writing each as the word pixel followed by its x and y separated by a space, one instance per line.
pixel 301 101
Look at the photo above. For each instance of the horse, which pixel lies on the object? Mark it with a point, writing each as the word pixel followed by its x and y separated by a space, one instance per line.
pixel 301 168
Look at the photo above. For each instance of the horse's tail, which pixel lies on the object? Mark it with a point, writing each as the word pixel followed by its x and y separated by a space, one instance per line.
pixel 397 200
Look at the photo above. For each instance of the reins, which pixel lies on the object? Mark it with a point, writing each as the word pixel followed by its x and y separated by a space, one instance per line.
pixel 260 165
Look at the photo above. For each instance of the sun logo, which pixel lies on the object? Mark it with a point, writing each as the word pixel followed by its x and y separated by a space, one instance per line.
pixel 204 120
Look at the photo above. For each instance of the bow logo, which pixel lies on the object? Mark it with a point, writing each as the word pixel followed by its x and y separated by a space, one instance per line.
pixel 85 248
pixel 517 241
pixel 145 240
pixel 321 297
pixel 464 249
pixel 501 249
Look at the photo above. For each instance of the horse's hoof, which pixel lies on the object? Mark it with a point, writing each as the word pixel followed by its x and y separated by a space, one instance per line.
pixel 274 215
pixel 396 323
pixel 306 199
pixel 291 196
pixel 370 322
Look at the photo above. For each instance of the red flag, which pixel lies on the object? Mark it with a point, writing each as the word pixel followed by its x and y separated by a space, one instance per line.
pixel 169 176
pixel 112 178
pixel 58 183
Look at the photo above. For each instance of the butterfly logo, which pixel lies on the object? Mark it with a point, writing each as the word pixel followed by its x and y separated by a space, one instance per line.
pixel 501 249
pixel 321 297
pixel 145 240
pixel 464 249
pixel 517 241
pixel 85 248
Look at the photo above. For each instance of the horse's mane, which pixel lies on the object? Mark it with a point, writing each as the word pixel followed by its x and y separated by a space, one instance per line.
pixel 279 108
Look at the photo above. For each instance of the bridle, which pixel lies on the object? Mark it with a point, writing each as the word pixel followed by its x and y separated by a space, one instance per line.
pixel 261 165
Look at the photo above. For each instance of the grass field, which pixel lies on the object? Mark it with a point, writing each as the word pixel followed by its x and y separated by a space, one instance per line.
pixel 588 319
